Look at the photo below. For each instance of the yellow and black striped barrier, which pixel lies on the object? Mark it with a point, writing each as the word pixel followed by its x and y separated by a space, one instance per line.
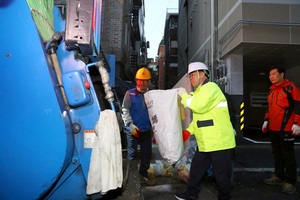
pixel 242 119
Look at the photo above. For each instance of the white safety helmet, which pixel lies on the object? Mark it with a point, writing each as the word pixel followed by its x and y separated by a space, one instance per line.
pixel 195 66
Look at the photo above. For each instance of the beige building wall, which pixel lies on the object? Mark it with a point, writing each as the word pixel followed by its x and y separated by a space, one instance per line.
pixel 257 23
pixel 241 36
pixel 239 40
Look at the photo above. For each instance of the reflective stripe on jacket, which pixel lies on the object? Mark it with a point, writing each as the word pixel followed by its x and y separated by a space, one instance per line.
pixel 211 122
pixel 283 106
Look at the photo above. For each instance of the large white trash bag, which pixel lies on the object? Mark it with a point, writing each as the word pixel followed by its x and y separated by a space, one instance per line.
pixel 164 114
pixel 106 172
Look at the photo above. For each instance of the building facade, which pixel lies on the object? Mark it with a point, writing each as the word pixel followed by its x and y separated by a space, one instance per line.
pixel 239 40
pixel 161 65
pixel 168 51
pixel 123 35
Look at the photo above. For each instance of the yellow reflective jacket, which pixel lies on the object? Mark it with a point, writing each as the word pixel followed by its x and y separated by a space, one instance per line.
pixel 211 122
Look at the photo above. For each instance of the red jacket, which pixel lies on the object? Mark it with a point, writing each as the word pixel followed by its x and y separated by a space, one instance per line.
pixel 283 106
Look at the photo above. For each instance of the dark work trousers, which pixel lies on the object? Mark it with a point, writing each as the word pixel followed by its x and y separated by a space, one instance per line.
pixel 284 156
pixel 221 162
pixel 145 142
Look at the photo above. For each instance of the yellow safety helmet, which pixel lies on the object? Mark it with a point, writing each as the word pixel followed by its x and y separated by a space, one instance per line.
pixel 143 74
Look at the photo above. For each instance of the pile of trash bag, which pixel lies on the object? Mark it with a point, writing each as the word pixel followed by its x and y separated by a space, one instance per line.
pixel 180 169
pixel 160 168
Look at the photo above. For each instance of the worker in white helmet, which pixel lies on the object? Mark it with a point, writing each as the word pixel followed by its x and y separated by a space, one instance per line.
pixel 213 131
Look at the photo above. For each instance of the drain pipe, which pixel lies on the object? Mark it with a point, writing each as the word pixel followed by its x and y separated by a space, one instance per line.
pixel 212 38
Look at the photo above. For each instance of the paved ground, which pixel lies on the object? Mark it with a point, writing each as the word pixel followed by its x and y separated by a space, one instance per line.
pixel 253 164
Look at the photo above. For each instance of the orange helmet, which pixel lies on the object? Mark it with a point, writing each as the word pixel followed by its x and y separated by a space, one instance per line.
pixel 143 74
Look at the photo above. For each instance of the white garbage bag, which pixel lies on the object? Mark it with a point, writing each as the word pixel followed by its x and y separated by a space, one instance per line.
pixel 164 114
pixel 106 172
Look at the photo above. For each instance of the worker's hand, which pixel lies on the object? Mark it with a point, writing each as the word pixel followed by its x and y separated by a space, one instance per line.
pixel 181 91
pixel 264 127
pixel 134 130
pixel 234 131
pixel 295 129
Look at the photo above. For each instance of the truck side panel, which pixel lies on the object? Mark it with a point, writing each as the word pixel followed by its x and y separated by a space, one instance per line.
pixel 36 144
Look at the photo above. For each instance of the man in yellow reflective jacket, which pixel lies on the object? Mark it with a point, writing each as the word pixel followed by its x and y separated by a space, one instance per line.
pixel 213 131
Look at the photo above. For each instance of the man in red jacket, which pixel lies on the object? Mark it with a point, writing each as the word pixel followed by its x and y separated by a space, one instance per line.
pixel 282 119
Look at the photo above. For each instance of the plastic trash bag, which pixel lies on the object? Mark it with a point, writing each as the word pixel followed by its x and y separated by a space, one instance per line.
pixel 164 114
pixel 182 168
pixel 160 168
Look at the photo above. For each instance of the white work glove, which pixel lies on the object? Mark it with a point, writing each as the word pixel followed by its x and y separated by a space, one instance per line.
pixel 181 91
pixel 234 131
pixel 264 127
pixel 295 129
pixel 134 130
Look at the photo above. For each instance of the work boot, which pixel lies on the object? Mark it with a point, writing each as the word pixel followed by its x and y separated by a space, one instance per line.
pixel 147 180
pixel 184 196
pixel 274 180
pixel 288 188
